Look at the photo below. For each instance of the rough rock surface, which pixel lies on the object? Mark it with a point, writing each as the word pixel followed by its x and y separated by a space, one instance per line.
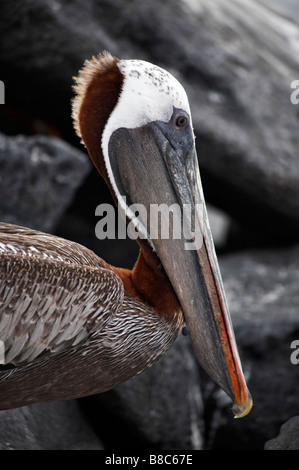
pixel 288 437
pixel 47 426
pixel 38 179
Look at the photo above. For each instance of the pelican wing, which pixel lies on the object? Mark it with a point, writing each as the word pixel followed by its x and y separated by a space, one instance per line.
pixel 53 294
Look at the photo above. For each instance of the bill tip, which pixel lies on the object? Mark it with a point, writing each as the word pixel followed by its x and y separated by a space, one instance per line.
pixel 242 410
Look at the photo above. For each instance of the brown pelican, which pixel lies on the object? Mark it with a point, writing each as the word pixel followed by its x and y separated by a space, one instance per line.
pixel 71 324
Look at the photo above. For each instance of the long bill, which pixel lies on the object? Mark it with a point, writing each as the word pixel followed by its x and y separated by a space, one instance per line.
pixel 150 170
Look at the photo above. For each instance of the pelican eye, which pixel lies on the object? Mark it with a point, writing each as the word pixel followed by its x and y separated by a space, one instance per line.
pixel 181 121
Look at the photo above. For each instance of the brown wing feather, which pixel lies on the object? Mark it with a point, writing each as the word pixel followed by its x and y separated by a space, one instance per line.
pixel 53 293
pixel 15 239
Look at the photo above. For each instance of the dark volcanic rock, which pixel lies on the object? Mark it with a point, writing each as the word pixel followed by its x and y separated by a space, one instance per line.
pixel 288 438
pixel 46 426
pixel 38 179
pixel 236 59
pixel 262 291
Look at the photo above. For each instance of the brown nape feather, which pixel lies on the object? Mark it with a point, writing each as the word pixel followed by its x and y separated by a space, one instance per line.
pixel 97 88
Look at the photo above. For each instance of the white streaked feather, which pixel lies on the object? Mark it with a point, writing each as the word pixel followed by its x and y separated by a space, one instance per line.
pixel 16 348
pixel 32 352
pixel 37 333
pixel 66 334
pixel 4 320
pixel 25 303
pixel 7 294
pixel 55 330
pixel 80 337
pixel 97 313
pixel 51 309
